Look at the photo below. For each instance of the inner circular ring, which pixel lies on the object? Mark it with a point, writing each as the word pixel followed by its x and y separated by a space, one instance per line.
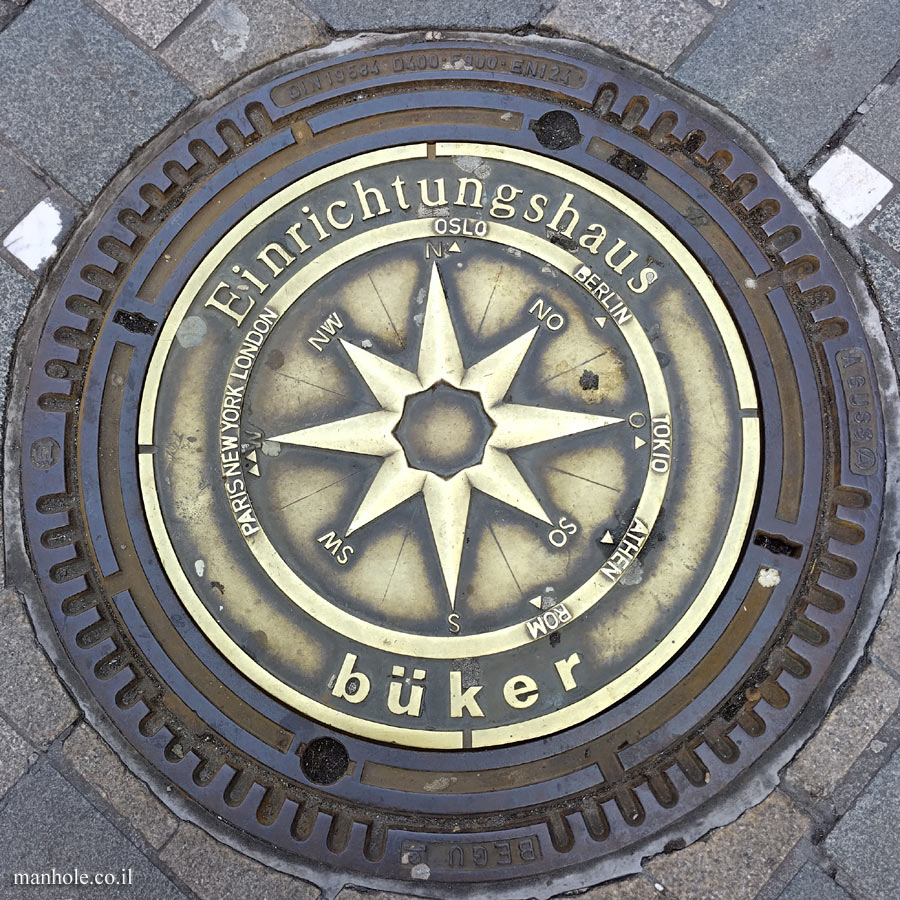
pixel 511 636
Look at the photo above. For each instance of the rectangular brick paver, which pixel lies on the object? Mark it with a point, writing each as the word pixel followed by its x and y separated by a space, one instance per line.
pixel 151 20
pixel 886 640
pixel 363 15
pixel 793 70
pixel 97 764
pixel 84 97
pixel 811 883
pixel 231 37
pixel 216 872
pixel 734 862
pixel 31 695
pixel 15 294
pixel 20 189
pixel 655 33
pixel 877 134
pixel 864 842
pixel 46 824
pixel 15 757
pixel 886 225
pixel 845 733
pixel 634 888
pixel 885 276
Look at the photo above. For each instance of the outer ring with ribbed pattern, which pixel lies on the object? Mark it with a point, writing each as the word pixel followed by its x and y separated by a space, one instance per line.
pixel 577 805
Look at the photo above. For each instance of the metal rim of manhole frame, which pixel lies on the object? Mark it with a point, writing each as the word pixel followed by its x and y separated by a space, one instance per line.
pixel 212 714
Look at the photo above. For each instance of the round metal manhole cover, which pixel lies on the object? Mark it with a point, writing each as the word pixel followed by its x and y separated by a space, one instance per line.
pixel 452 464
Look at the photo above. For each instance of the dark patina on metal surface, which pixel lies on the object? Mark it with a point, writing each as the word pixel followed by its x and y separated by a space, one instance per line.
pixel 452 465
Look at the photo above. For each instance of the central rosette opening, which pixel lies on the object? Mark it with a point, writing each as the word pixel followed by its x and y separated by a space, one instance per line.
pixel 444 430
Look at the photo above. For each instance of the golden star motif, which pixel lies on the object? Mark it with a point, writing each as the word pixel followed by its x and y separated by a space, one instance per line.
pixel 446 499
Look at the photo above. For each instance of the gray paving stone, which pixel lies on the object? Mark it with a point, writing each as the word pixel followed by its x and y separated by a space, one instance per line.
pixel 635 888
pixel 131 798
pixel 151 21
pixel 31 695
pixel 885 278
pixel 886 639
pixel 787 869
pixel 733 862
pixel 85 96
pixel 811 883
pixel 886 224
pixel 877 135
pixel 867 766
pixel 20 189
pixel 864 843
pixel 354 894
pixel 655 34
pixel 231 37
pixel 360 15
pixel 15 757
pixel 216 872
pixel 845 733
pixel 47 825
pixel 8 11
pixel 15 293
pixel 794 71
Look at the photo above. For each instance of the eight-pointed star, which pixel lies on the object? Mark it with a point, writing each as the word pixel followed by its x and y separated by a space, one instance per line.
pixel 446 499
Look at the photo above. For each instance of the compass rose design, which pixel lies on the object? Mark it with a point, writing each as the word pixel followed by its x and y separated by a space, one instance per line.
pixel 493 473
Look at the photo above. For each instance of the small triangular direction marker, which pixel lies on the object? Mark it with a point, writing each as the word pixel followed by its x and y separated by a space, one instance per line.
pixel 607 538
pixel 454 248
pixel 254 470
pixel 536 601
pixel 252 456
pixel 600 320
pixel 638 442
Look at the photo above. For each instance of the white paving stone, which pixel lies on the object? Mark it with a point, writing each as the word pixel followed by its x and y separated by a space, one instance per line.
pixel 33 240
pixel 849 187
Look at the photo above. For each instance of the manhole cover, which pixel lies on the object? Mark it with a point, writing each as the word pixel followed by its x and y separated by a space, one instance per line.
pixel 451 464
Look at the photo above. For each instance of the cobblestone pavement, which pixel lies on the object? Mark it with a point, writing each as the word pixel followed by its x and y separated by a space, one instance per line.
pixel 86 82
